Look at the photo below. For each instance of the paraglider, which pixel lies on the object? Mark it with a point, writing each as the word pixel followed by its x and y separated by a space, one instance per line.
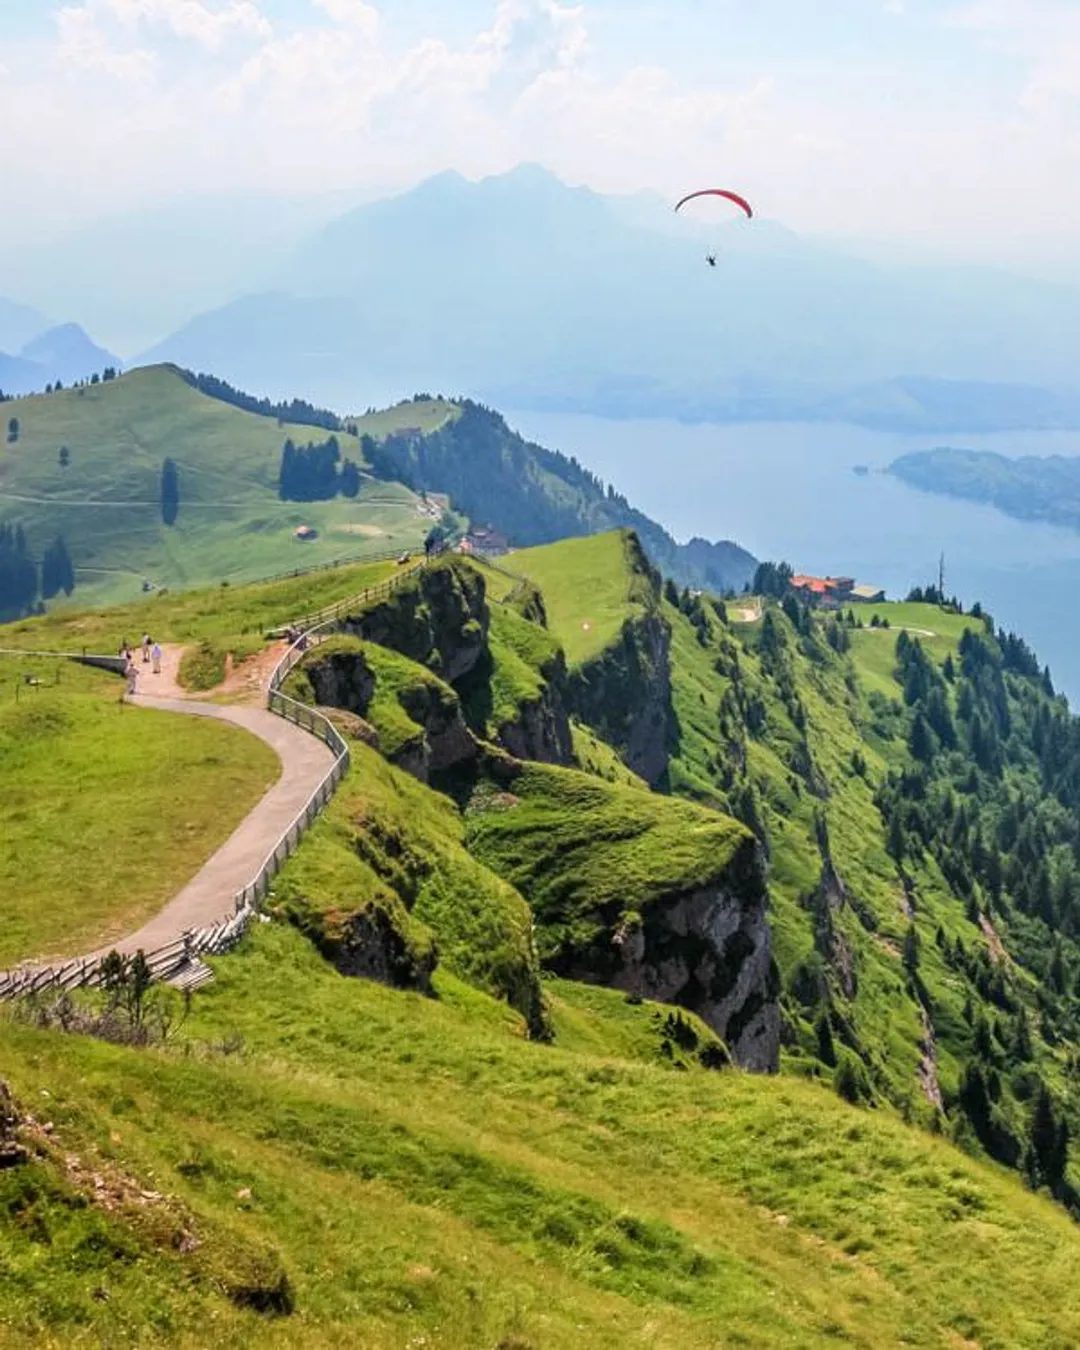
pixel 741 202
pixel 724 193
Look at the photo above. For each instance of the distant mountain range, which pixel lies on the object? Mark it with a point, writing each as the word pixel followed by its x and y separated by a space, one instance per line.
pixel 523 291
pixel 63 353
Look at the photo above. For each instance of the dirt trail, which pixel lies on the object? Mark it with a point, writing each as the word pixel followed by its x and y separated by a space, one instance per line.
pixel 246 682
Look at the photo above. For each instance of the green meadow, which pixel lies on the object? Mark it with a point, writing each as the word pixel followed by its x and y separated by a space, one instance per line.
pixel 409 1171
pixel 106 810
pixel 231 526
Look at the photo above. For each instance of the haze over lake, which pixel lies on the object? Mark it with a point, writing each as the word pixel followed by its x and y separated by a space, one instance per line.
pixel 789 491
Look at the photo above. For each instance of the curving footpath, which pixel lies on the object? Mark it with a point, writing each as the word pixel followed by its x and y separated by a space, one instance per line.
pixel 215 907
pixel 208 897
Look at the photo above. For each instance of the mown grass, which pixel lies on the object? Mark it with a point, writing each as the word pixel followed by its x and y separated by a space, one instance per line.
pixel 106 810
pixel 232 524
pixel 427 1177
pixel 590 589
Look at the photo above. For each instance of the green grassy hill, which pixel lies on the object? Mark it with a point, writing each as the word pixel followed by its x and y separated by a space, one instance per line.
pixel 231 524
pixel 403 1171
pixel 461 1150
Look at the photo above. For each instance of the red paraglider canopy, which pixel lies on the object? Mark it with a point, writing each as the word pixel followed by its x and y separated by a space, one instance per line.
pixel 719 192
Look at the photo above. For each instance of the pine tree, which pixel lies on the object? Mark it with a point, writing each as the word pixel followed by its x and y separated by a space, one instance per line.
pixel 921 740
pixel 1049 1141
pixel 911 950
pixel 349 480
pixel 57 572
pixel 170 492
pixel 825 1043
pixel 18 574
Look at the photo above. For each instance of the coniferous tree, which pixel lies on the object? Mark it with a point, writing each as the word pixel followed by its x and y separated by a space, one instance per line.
pixel 921 740
pixel 349 479
pixel 170 492
pixel 57 572
pixel 825 1043
pixel 18 574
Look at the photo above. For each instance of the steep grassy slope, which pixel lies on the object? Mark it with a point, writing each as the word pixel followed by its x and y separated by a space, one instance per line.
pixel 106 811
pixel 914 787
pixel 590 588
pixel 386 870
pixel 231 524
pixel 591 855
pixel 404 1170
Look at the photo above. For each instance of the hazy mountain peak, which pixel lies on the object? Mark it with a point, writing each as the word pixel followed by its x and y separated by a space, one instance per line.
pixel 68 351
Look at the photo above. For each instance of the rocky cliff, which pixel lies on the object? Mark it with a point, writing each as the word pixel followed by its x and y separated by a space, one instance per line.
pixel 624 695
pixel 710 950
pixel 439 618
pixel 657 897
pixel 417 717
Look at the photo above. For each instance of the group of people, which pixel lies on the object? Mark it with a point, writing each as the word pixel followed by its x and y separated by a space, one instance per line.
pixel 151 656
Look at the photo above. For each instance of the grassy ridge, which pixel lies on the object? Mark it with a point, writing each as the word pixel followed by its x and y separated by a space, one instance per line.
pixel 228 618
pixel 231 525
pixel 420 1171
pixel 589 589
pixel 105 810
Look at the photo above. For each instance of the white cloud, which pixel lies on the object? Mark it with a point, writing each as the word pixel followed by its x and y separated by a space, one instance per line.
pixel 136 100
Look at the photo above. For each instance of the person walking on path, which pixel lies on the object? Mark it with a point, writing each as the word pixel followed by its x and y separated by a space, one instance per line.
pixel 156 654
pixel 146 648
pixel 132 676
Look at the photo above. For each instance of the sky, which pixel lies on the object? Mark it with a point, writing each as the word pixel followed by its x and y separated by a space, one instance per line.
pixel 944 125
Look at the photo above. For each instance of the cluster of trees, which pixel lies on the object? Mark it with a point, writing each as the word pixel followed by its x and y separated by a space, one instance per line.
pixel 316 472
pixel 22 581
pixel 297 410
pixel 772 580
pixel 992 795
pixel 107 375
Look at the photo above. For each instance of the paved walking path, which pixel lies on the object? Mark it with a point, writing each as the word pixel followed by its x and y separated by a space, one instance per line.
pixel 305 761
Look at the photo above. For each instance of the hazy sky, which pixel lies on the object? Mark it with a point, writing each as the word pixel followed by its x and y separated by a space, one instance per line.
pixel 949 123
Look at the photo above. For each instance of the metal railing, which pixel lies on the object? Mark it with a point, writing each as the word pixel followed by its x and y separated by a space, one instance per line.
pixel 169 960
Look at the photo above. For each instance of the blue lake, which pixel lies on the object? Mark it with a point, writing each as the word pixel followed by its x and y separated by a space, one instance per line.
pixel 789 491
